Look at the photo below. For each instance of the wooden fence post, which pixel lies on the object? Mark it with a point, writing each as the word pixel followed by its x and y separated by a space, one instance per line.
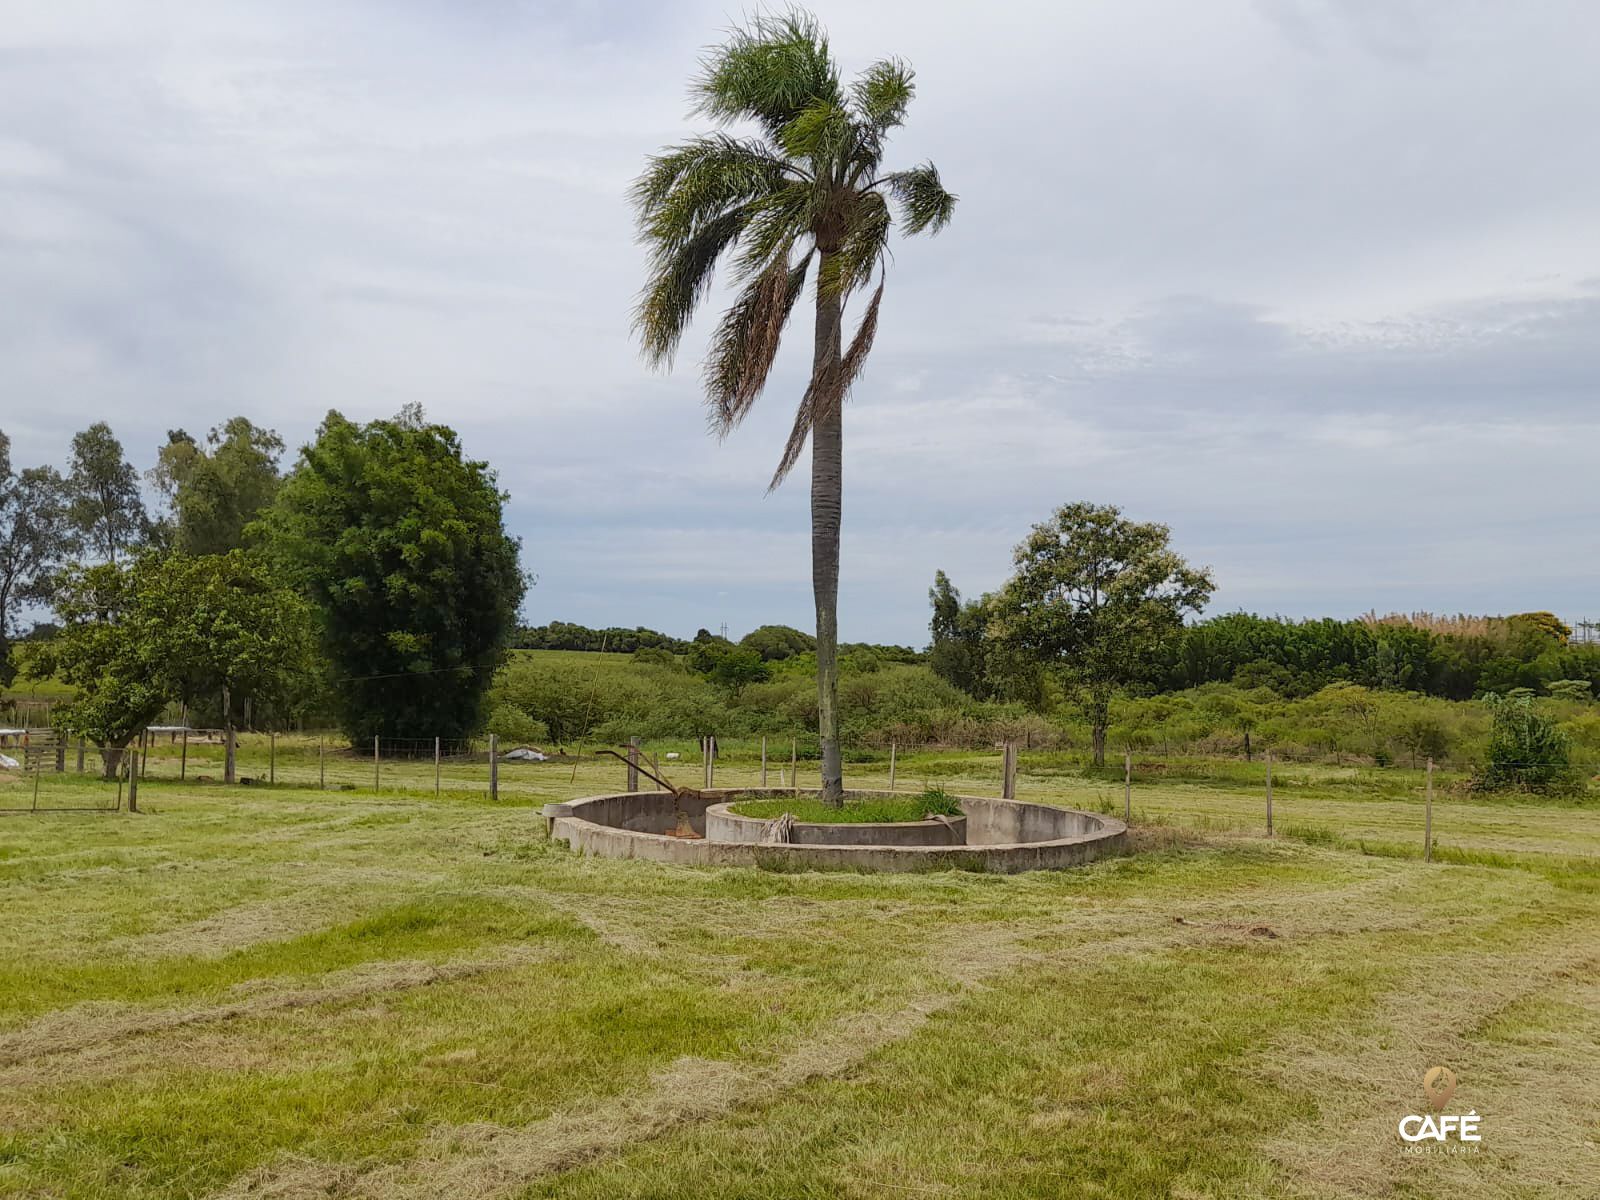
pixel 438 750
pixel 1127 785
pixel 892 748
pixel 1008 771
pixel 1269 793
pixel 133 779
pixel 1427 819
pixel 322 765
pixel 144 759
pixel 183 756
pixel 633 764
pixel 272 756
pixel 494 768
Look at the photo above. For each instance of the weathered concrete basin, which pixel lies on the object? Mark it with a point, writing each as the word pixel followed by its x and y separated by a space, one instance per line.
pixel 725 825
pixel 1002 836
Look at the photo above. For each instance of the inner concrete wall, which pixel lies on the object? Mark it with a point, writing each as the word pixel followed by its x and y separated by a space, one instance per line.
pixel 723 825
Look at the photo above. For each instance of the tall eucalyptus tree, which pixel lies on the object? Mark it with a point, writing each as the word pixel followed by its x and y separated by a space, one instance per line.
pixel 805 188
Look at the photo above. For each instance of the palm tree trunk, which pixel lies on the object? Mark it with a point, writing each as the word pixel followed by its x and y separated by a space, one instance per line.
pixel 827 493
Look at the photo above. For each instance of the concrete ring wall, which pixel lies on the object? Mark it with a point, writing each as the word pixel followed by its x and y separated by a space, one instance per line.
pixel 1003 836
pixel 725 825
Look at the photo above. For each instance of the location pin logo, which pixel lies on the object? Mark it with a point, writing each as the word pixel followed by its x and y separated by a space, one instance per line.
pixel 1438 1085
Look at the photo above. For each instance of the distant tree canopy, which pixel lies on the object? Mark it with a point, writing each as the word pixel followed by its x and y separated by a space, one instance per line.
pixel 564 635
pixel 729 666
pixel 399 543
pixel 216 490
pixel 105 505
pixel 777 642
pixel 1296 658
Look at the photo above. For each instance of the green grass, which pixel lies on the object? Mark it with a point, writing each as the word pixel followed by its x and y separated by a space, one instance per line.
pixel 295 992
pixel 873 809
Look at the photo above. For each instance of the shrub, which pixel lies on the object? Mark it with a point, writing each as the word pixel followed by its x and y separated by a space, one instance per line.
pixel 1526 751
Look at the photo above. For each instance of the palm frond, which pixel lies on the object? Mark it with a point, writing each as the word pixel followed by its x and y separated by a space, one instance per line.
pixel 746 341
pixel 924 204
pixel 768 71
pixel 680 274
pixel 690 184
pixel 862 249
pixel 820 133
pixel 778 220
pixel 829 389
pixel 882 93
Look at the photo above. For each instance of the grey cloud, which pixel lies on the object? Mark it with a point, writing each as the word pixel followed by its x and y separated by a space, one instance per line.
pixel 1313 282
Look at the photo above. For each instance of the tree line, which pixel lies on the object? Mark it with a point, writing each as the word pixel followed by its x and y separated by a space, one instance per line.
pixel 372 581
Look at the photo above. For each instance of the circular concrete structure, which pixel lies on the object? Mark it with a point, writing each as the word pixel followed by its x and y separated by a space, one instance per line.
pixel 999 836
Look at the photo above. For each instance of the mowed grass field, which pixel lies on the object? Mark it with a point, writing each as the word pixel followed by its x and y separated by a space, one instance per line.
pixel 293 992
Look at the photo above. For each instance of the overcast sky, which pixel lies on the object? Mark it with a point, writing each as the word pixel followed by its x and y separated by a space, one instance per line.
pixel 1314 282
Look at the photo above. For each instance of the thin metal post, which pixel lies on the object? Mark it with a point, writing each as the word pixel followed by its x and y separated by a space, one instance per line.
pixel 144 759
pixel 1427 819
pixel 1269 793
pixel 121 770
pixel 322 766
pixel 438 752
pixel 494 769
pixel 633 764
pixel 891 764
pixel 272 757
pixel 377 769
pixel 133 782
pixel 1127 785
pixel 763 760
pixel 794 764
pixel 183 756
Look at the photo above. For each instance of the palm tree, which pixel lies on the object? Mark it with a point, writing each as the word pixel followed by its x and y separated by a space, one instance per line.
pixel 806 188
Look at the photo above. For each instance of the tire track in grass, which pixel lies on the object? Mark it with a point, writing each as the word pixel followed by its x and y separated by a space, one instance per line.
pixel 1532 1088
pixel 483 1161
pixel 98 1023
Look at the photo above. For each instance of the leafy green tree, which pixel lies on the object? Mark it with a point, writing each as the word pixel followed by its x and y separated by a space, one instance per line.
pixel 137 635
pixel 399 542
pixel 227 628
pixel 1096 598
pixel 106 506
pixel 777 642
pixel 215 491
pixel 809 186
pixel 35 537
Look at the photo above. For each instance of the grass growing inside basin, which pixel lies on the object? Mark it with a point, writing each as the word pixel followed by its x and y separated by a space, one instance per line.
pixel 867 809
